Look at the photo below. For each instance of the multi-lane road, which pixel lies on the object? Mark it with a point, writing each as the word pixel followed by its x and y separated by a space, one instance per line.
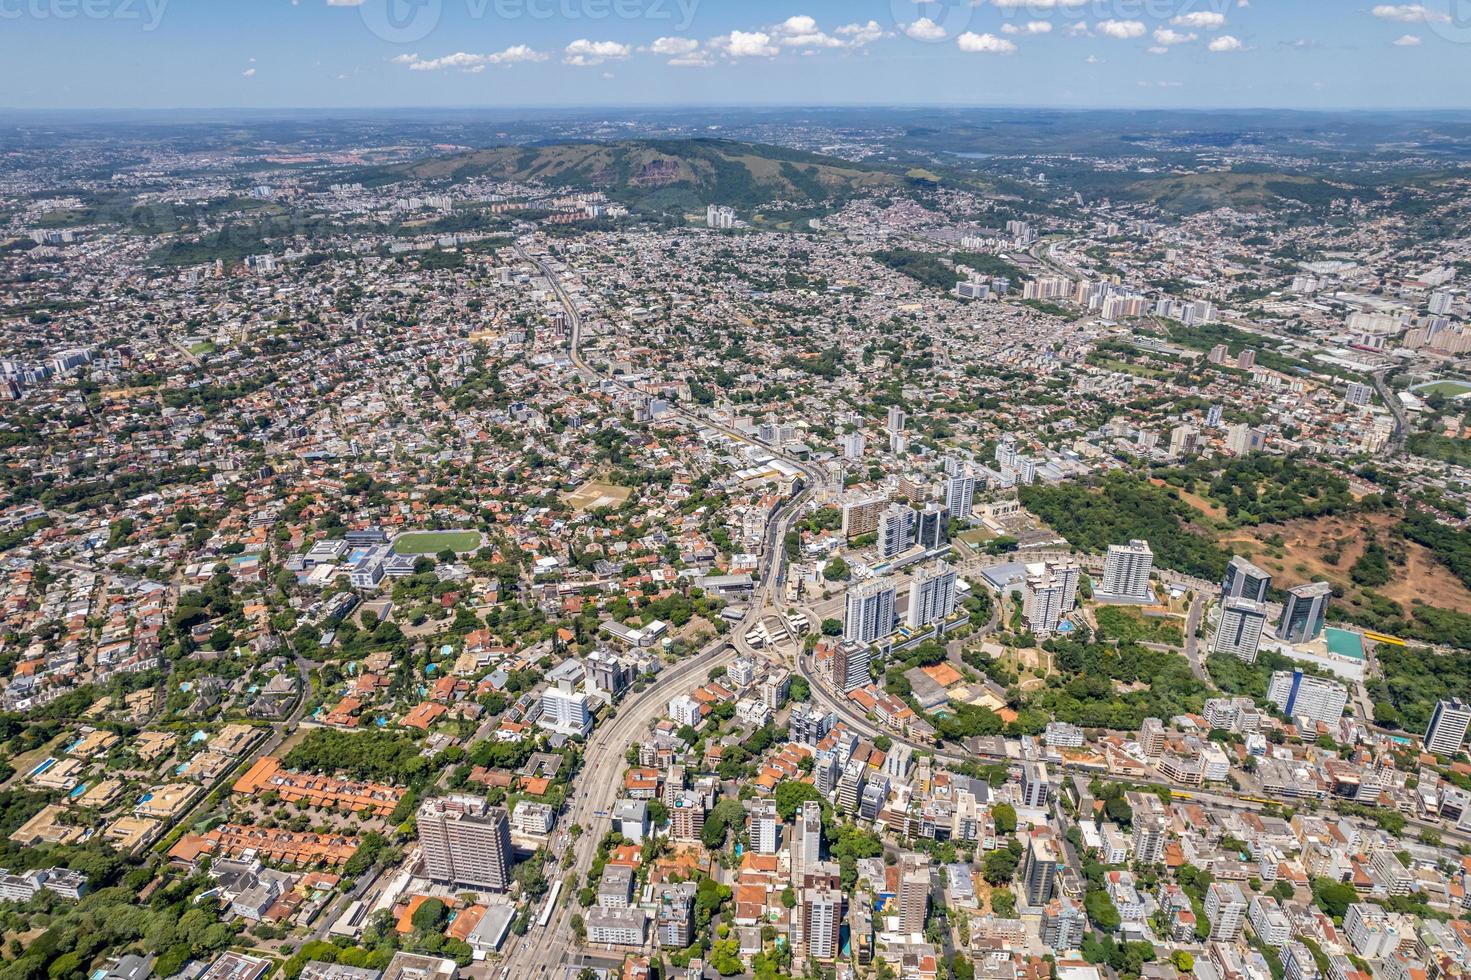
pixel 598 784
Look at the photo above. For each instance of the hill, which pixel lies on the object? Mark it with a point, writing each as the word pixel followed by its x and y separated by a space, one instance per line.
pixel 1244 191
pixel 668 175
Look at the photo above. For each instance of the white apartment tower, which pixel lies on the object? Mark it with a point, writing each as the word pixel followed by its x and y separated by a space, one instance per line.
pixel 931 595
pixel 1126 571
pixel 870 611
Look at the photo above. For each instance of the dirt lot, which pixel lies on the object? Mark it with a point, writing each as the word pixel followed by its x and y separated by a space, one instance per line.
pixel 593 494
pixel 1304 542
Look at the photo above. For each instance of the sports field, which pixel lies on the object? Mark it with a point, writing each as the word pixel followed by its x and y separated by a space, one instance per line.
pixel 595 494
pixel 433 542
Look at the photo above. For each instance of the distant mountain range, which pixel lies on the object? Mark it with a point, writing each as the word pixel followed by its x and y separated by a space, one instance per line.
pixel 668 175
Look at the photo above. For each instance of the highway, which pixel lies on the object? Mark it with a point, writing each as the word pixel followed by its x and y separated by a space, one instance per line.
pixel 599 783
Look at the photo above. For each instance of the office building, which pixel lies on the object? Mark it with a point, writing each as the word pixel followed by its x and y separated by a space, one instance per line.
pixel 1245 581
pixel 932 527
pixel 465 842
pixel 1304 612
pixel 1448 723
pixel 1240 630
pixel 870 611
pixel 1302 696
pixel 1126 572
pixel 932 594
pixel 1039 872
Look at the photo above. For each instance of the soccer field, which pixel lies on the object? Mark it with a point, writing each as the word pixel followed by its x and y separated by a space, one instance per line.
pixel 433 542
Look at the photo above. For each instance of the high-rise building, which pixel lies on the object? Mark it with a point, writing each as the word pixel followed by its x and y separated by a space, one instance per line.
pixel 1240 630
pixel 850 665
pixel 960 494
pixel 931 595
pixel 897 419
pixel 1039 871
pixel 1152 738
pixel 932 527
pixel 565 710
pixel 1063 925
pixel 465 842
pixel 1050 593
pixel 914 895
pixel 1300 695
pixel 1304 612
pixel 822 921
pixel 1149 839
pixel 895 530
pixel 870 611
pixel 853 445
pixel 765 827
pixel 687 815
pixel 850 785
pixel 674 918
pixel 1448 723
pixel 807 839
pixel 1225 910
pixel 1035 785
pixel 1126 571
pixel 1245 581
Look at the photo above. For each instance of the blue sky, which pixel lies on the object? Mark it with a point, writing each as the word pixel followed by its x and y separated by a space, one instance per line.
pixel 342 53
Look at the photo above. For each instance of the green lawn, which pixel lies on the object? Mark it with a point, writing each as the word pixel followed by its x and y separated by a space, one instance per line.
pixel 433 542
pixel 1448 388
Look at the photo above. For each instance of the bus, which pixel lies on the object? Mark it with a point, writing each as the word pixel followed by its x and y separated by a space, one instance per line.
pixel 546 910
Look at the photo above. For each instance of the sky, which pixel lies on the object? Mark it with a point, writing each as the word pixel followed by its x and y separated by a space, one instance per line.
pixel 78 54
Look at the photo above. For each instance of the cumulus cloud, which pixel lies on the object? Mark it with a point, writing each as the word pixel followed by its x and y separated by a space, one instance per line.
pixel 249 73
pixel 1409 13
pixel 1204 20
pixel 473 63
pixel 1124 30
pixel 974 43
pixel 673 47
pixel 1407 41
pixel 1030 27
pixel 746 44
pixel 925 29
pixel 1164 36
pixel 860 34
pixel 583 52
pixel 1225 43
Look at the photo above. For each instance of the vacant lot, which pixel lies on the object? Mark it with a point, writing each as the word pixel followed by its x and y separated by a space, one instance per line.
pixel 433 542
pixel 1305 544
pixel 593 495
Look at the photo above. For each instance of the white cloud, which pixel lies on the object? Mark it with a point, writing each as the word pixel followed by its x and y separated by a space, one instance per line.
pixel 746 44
pixel 1205 20
pixel 583 52
pixel 1038 4
pixel 1030 27
pixel 673 47
pixel 473 63
pixel 1165 36
pixel 1225 43
pixel 1124 30
pixel 925 29
pixel 1409 13
pixel 974 43
pixel 249 73
pixel 1093 59
pixel 344 3
pixel 860 34
pixel 1074 30
pixel 1407 41
pixel 1156 49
